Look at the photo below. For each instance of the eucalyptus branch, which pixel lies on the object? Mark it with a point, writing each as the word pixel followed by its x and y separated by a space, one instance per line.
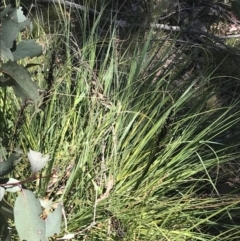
pixel 34 177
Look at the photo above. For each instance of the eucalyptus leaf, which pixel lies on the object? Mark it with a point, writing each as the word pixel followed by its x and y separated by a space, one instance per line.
pixel 13 188
pixel 19 17
pixel 8 165
pixel 37 160
pixel 46 204
pixel 6 11
pixel 14 157
pixel 23 86
pixel 27 211
pixel 27 48
pixel 10 30
pixel 5 52
pixel 53 221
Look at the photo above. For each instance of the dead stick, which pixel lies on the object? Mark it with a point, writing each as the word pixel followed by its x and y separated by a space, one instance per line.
pixel 70 4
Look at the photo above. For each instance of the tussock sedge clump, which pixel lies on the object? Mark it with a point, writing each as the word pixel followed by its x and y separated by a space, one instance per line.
pixel 138 137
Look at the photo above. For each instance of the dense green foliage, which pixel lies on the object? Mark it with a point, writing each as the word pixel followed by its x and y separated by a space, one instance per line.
pixel 27 208
pixel 142 132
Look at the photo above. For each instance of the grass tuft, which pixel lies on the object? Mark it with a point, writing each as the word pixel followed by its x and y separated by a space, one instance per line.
pixel 136 138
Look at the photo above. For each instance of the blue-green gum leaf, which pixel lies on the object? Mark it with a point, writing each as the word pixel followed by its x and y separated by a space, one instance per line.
pixel 27 211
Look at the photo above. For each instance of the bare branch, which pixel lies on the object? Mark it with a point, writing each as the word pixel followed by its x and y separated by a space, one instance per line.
pixel 164 27
pixel 70 4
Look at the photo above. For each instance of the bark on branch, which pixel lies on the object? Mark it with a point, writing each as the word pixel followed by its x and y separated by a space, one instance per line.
pixel 70 4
